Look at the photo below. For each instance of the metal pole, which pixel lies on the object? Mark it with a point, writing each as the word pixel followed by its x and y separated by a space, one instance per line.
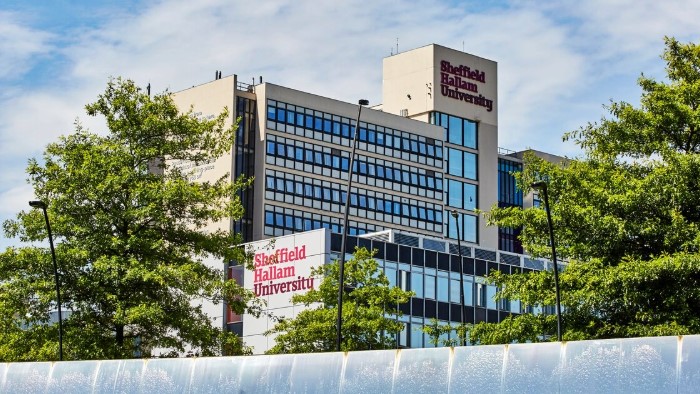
pixel 42 205
pixel 461 273
pixel 543 186
pixel 343 247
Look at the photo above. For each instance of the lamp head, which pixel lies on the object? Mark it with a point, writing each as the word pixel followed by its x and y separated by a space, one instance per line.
pixel 37 204
pixel 363 102
pixel 454 213
pixel 539 185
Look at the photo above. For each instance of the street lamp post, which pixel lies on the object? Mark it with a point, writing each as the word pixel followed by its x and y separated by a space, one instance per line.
pixel 341 279
pixel 542 185
pixel 42 206
pixel 461 274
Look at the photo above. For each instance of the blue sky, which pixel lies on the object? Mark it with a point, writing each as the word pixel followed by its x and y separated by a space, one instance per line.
pixel 558 61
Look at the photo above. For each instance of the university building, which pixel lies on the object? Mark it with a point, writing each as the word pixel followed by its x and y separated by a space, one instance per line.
pixel 429 148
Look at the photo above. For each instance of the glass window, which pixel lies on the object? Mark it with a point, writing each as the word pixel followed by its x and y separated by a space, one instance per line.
pixel 429 287
pixel 454 291
pixel 390 174
pixel 454 162
pixel 417 283
pixel 469 165
pixel 468 290
pixel 455 197
pixel 391 276
pixel 269 218
pixel 271 113
pixel 443 289
pixel 270 148
pixel 416 335
pixel 490 293
pixel 455 130
pixel 469 196
pixel 281 115
pixel 469 134
pixel 469 228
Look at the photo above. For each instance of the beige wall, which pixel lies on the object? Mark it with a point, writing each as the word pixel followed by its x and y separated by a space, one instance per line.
pixel 488 182
pixel 208 101
pixel 424 74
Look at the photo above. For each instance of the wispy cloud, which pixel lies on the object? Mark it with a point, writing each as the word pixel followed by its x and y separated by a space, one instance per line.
pixel 558 61
pixel 20 46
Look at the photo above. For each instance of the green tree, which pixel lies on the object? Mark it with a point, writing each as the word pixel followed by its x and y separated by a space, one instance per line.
pixel 445 334
pixel 131 238
pixel 625 215
pixel 370 311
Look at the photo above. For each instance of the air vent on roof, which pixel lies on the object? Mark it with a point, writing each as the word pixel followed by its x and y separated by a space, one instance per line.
pixel 403 112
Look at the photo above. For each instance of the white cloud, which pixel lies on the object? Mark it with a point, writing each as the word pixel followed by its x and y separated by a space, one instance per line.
pixel 19 46
pixel 558 62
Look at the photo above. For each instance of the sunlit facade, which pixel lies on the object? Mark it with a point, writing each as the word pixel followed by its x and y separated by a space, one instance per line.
pixel 429 148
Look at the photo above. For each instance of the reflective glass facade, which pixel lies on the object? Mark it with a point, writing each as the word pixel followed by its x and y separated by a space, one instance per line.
pixel 509 195
pixel 308 163
pixel 462 173
pixel 245 162
pixel 434 277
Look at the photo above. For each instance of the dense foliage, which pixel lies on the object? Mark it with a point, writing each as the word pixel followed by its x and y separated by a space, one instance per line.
pixel 626 217
pixel 370 308
pixel 130 237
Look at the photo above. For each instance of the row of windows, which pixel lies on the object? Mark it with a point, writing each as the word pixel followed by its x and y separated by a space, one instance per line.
pixel 363 166
pixel 444 287
pixel 323 191
pixel 458 131
pixel 337 130
pixel 283 221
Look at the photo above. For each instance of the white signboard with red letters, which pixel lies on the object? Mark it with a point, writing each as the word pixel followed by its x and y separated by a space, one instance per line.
pixel 282 268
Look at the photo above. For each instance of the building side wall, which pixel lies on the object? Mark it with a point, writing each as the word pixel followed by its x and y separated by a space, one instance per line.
pixel 208 101
pixel 488 182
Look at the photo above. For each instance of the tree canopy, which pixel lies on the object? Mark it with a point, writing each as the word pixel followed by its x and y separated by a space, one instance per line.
pixel 626 218
pixel 130 237
pixel 370 309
